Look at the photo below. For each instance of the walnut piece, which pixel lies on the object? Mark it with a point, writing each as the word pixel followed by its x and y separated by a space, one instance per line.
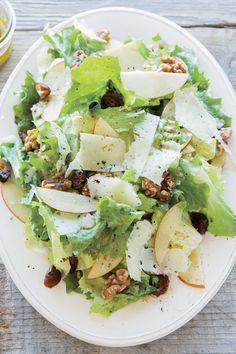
pixel 116 283
pixel 105 35
pixel 60 184
pixel 31 142
pixel 78 58
pixel 161 192
pixel 42 90
pixel 171 65
pixel 5 170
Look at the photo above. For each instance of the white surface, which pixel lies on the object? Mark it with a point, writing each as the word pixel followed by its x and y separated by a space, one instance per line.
pixel 129 326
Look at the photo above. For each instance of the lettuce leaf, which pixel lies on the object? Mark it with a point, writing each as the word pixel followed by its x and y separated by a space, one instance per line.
pixel 204 149
pixel 72 282
pixel 118 219
pixel 12 152
pixel 147 204
pixel 61 149
pixel 60 252
pixel 70 39
pixel 202 185
pixel 28 96
pixel 111 231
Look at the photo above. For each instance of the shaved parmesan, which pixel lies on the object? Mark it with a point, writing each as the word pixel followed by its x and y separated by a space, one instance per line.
pixel 57 78
pixel 139 237
pixel 144 132
pixel 159 162
pixel 67 223
pixel 191 114
pixel 114 187
pixel 99 153
pixel 148 261
pixel 44 60
pixel 152 84
pixel 65 201
pixel 129 57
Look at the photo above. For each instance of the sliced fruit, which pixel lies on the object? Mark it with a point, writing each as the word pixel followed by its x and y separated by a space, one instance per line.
pixel 129 57
pixel 188 150
pixel 103 265
pixel 103 128
pixel 121 191
pixel 152 84
pixel 169 110
pixel 65 201
pixel 12 195
pixel 176 239
pixel 194 276
pixel 219 161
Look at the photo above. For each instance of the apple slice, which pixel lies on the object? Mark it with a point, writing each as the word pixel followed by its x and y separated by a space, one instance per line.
pixel 103 265
pixel 65 201
pixel 12 195
pixel 103 128
pixel 152 84
pixel 194 276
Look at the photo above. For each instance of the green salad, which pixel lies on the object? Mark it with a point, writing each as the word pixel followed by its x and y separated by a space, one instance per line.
pixel 117 166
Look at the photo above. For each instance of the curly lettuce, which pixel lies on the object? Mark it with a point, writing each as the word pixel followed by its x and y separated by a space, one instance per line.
pixel 202 187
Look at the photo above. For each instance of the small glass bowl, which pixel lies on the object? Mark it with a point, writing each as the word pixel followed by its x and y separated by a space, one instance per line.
pixel 8 22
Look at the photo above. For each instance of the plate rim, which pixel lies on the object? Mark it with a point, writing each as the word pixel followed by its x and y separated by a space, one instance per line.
pixel 19 282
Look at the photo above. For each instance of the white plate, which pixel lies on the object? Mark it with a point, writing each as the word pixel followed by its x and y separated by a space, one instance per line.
pixel 143 321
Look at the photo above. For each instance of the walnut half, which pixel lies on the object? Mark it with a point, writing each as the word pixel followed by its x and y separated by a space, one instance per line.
pixel 116 283
pixel 171 65
pixel 31 142
pixel 161 192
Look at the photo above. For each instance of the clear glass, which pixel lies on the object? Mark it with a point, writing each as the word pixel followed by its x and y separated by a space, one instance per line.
pixel 7 26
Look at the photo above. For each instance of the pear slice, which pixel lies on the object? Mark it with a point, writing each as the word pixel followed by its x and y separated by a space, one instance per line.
pixel 128 55
pixel 175 240
pixel 103 265
pixel 153 84
pixel 103 128
pixel 194 276
pixel 12 194
pixel 65 201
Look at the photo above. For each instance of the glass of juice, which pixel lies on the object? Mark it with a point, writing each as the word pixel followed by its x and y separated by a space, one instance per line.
pixel 7 29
